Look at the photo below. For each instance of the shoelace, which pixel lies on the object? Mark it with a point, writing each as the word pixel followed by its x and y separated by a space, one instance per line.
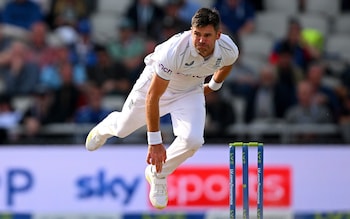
pixel 160 189
pixel 159 185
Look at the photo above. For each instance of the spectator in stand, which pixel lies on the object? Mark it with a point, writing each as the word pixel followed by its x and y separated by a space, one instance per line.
pixel 67 12
pixel 41 52
pixel 307 111
pixel 5 41
pixel 21 13
pixel 325 95
pixel 93 111
pixel 83 51
pixel 50 76
pixel 36 115
pixel 259 5
pixel 128 49
pixel 187 8
pixel 242 77
pixel 268 101
pixel 44 6
pixel 220 114
pixel 9 119
pixel 65 17
pixel 66 98
pixel 111 77
pixel 237 16
pixel 288 74
pixel 172 24
pixel 20 76
pixel 314 41
pixel 146 17
pixel 300 53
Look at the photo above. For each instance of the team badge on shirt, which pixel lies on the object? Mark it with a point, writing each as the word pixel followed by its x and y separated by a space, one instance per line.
pixel 218 62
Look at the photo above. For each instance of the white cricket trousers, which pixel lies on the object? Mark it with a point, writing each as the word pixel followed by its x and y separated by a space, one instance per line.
pixel 187 112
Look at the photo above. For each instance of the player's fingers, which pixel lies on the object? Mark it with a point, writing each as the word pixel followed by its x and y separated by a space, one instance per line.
pixel 148 159
pixel 153 161
pixel 159 166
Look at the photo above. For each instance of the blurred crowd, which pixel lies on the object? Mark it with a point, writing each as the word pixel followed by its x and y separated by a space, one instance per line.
pixel 49 55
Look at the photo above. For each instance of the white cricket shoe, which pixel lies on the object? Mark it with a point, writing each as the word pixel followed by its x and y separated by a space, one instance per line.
pixel 158 194
pixel 94 140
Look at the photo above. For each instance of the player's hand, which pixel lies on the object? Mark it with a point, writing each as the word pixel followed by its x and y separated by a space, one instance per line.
pixel 156 156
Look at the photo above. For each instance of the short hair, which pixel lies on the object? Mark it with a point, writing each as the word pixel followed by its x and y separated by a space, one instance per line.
pixel 206 16
pixel 294 21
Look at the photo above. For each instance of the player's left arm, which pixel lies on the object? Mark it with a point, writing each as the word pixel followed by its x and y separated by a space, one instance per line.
pixel 217 79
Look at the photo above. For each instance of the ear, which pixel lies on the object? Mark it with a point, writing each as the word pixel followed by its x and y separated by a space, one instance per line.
pixel 218 35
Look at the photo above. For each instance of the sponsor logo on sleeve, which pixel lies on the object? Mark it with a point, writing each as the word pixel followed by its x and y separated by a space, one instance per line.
pixel 165 69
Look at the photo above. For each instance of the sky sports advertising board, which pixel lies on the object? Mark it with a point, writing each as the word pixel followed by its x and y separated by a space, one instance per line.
pixel 71 180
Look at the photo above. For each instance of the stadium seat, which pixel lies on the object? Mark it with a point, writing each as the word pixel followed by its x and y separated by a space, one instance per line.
pixel 272 23
pixel 113 102
pixel 257 44
pixel 285 6
pixel 104 26
pixel 342 23
pixel 207 3
pixel 2 3
pixel 254 62
pixel 22 103
pixel 315 21
pixel 112 6
pixel 326 7
pixel 338 45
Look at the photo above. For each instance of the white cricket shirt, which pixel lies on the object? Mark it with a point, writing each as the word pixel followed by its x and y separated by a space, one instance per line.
pixel 178 61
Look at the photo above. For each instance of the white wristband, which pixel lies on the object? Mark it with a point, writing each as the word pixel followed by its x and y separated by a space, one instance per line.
pixel 154 138
pixel 214 85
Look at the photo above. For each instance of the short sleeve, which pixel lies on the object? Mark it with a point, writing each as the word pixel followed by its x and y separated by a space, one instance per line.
pixel 163 60
pixel 229 50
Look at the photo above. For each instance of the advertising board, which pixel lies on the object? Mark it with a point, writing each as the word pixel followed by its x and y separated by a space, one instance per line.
pixel 69 179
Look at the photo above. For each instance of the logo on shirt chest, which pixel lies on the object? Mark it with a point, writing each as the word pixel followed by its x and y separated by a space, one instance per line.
pixel 189 64
pixel 194 75
pixel 216 64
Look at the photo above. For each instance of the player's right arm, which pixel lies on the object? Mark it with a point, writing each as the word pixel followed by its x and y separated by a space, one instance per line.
pixel 156 152
pixel 163 62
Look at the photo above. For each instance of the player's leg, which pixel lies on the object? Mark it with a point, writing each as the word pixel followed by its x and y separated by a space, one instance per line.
pixel 188 116
pixel 119 124
pixel 188 120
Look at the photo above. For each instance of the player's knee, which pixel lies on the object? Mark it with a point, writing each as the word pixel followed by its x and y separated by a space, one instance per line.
pixel 194 142
pixel 121 134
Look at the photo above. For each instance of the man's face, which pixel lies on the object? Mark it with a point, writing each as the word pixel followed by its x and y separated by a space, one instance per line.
pixel 204 38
